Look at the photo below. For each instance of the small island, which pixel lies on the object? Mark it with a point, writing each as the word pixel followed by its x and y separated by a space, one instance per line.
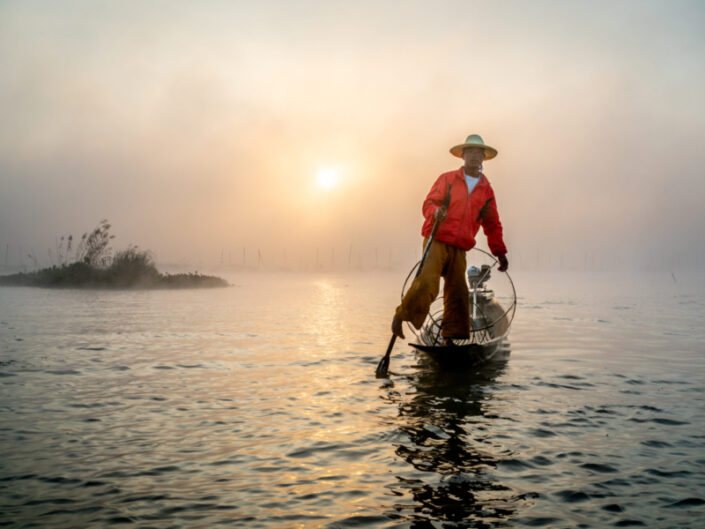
pixel 93 264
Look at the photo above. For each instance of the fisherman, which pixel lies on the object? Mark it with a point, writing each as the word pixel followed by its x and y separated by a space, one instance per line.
pixel 472 204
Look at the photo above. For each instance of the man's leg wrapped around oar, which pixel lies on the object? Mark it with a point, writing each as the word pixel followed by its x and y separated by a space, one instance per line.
pixel 444 261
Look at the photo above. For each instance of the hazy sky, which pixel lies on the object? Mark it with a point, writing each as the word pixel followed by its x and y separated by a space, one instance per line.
pixel 200 127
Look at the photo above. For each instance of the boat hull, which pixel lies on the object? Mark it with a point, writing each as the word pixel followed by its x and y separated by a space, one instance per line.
pixel 459 355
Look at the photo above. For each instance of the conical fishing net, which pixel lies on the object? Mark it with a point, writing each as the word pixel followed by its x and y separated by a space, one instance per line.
pixel 492 304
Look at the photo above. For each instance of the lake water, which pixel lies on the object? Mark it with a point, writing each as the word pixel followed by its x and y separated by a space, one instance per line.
pixel 257 406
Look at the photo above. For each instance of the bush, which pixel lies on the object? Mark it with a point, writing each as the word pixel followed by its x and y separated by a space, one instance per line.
pixel 132 267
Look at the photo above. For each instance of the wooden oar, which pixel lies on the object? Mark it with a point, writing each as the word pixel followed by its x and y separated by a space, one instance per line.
pixel 383 365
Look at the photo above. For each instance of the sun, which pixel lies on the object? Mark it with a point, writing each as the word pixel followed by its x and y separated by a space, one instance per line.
pixel 327 177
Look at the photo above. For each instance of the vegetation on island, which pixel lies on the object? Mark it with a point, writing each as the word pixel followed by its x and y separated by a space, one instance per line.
pixel 92 263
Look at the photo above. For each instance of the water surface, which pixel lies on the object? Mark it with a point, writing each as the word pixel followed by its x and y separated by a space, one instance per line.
pixel 256 406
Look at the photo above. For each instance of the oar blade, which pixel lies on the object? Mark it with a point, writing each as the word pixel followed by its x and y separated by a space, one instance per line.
pixel 382 367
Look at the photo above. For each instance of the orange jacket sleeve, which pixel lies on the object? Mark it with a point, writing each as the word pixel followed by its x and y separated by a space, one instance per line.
pixel 435 197
pixel 492 227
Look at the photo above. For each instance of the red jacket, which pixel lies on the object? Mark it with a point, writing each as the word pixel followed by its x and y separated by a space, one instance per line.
pixel 466 213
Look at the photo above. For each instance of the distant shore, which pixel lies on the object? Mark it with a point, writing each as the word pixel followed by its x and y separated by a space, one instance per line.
pixel 95 265
pixel 82 275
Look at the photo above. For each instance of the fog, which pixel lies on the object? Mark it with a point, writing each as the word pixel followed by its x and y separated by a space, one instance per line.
pixel 198 129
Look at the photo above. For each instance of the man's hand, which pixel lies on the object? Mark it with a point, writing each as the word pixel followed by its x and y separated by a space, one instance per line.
pixel 441 213
pixel 503 263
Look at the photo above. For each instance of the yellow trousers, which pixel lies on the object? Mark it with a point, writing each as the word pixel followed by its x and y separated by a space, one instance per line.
pixel 449 263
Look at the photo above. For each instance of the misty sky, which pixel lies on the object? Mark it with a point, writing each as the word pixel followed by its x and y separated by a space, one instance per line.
pixel 197 128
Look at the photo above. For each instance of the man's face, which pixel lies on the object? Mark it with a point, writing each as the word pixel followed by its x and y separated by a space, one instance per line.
pixel 473 156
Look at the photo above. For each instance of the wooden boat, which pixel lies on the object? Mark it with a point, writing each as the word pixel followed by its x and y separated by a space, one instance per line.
pixel 459 355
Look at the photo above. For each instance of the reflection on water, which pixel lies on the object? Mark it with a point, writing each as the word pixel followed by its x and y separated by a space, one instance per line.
pixel 446 425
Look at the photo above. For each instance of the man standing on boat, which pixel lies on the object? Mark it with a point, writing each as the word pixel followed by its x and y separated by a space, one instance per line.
pixel 472 204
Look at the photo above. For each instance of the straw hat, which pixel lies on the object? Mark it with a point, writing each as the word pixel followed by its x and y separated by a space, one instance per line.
pixel 474 140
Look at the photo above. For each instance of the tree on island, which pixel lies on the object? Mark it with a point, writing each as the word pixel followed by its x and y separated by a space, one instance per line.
pixel 95 264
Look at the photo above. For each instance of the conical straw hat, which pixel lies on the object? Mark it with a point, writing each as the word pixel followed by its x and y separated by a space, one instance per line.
pixel 474 140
